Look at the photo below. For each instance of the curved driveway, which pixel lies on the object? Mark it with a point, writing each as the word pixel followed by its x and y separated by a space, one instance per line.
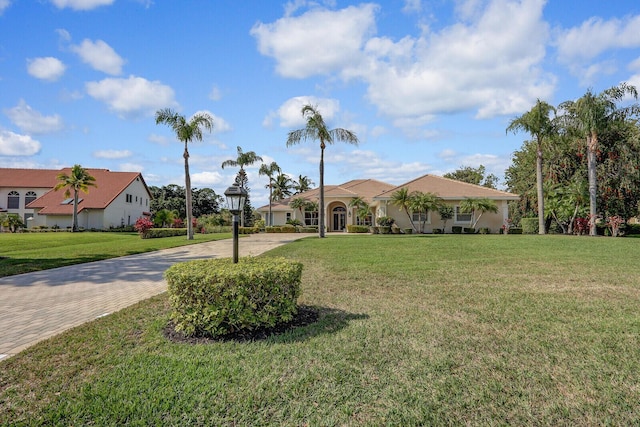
pixel 36 306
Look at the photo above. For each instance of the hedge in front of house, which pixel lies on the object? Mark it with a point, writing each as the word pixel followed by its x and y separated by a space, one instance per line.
pixel 529 225
pixel 214 297
pixel 154 233
pixel 357 228
pixel 456 229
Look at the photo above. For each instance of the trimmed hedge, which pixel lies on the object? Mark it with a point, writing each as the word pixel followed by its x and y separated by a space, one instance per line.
pixel 214 297
pixel 456 229
pixel 287 228
pixel 357 228
pixel 155 233
pixel 529 225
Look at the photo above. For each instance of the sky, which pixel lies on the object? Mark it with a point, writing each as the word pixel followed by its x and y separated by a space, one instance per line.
pixel 428 86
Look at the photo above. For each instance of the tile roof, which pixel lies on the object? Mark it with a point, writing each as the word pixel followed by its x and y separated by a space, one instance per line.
pixel 108 186
pixel 365 188
pixel 449 189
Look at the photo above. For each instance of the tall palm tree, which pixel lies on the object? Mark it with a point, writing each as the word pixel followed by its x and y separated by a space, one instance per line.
pixel 591 115
pixel 186 131
pixel 362 208
pixel 269 171
pixel 472 205
pixel 402 200
pixel 78 180
pixel 302 184
pixel 537 123
pixel 281 187
pixel 423 203
pixel 243 159
pixel 316 129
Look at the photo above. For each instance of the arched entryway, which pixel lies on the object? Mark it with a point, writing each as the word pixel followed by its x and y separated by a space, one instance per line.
pixel 337 217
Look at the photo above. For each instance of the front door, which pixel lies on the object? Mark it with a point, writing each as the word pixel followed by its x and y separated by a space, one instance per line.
pixel 339 218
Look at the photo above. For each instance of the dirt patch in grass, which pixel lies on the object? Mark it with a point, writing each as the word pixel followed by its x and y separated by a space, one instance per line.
pixel 306 316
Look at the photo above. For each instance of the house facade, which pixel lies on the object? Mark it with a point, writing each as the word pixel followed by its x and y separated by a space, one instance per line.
pixel 118 199
pixel 378 195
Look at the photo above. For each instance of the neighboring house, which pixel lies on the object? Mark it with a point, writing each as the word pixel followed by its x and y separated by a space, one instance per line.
pixel 378 195
pixel 118 199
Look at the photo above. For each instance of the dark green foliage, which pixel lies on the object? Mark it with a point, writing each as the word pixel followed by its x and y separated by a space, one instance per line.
pixel 215 297
pixel 456 229
pixel 357 228
pixel 155 233
pixel 485 230
pixel 529 225
pixel 469 230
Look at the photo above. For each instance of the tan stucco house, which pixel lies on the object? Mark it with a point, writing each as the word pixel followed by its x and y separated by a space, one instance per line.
pixel 118 199
pixel 378 195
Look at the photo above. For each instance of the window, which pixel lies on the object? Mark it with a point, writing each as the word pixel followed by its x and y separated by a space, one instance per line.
pixel 461 216
pixel 288 216
pixel 13 200
pixel 368 220
pixel 30 197
pixel 311 218
pixel 129 198
pixel 419 217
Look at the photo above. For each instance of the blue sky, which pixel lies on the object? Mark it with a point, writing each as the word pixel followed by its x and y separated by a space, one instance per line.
pixel 428 86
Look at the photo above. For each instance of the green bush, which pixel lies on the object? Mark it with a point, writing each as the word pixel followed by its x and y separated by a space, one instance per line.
pixel 273 229
pixel 632 229
pixel 456 229
pixel 357 228
pixel 155 233
pixel 288 228
pixel 529 225
pixel 215 297
pixel 485 230
pixel 408 231
pixel 515 230
pixel 385 221
pixel 469 230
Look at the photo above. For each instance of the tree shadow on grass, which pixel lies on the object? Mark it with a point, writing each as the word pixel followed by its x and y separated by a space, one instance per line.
pixel 309 322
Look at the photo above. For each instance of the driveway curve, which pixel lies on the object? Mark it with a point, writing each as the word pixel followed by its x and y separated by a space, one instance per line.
pixel 36 306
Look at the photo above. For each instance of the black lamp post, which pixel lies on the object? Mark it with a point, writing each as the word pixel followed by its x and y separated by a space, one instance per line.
pixel 236 196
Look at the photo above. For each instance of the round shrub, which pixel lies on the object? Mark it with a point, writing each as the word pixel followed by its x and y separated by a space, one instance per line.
pixel 529 225
pixel 216 297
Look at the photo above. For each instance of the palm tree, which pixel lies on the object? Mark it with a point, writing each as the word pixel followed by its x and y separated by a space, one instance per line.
pixel 591 115
pixel 402 200
pixel 423 203
pixel 472 205
pixel 316 129
pixel 281 187
pixel 362 208
pixel 186 131
pixel 538 124
pixel 78 180
pixel 243 159
pixel 269 171
pixel 302 184
pixel 299 203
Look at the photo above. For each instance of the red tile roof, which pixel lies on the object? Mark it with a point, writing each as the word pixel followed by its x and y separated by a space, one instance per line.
pixel 108 186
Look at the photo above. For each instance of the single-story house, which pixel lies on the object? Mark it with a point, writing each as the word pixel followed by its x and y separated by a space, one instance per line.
pixel 118 199
pixel 378 195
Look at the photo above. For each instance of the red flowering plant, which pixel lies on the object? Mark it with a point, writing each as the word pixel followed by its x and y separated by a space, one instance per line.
pixel 142 226
pixel 506 225
pixel 581 225
pixel 614 223
pixel 178 223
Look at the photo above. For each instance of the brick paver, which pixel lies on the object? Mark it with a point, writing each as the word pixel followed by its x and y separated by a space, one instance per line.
pixel 36 306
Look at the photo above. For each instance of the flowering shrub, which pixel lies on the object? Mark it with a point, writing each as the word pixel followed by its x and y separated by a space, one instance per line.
pixel 582 225
pixel 178 223
pixel 506 225
pixel 142 226
pixel 614 223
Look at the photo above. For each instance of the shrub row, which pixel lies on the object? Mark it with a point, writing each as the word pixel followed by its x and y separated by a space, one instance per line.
pixel 357 228
pixel 288 228
pixel 214 297
pixel 529 225
pixel 155 233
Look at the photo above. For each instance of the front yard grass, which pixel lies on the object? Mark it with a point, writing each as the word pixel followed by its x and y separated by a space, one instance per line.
pixel 413 330
pixel 27 252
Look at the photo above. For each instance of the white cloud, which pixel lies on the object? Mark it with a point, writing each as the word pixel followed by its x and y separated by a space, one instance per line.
pixel 412 6
pixel 220 125
pixel 215 94
pixel 81 4
pixel 206 179
pixel 47 68
pixel 112 154
pixel 294 42
pixel 130 167
pixel 578 47
pixel 158 139
pixel 290 113
pixel 13 144
pixel 100 56
pixel 3 5
pixel 32 121
pixel 132 96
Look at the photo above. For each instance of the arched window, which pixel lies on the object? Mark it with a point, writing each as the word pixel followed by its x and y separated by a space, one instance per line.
pixel 30 197
pixel 13 200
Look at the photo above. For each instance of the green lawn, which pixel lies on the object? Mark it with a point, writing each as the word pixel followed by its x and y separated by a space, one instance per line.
pixel 27 252
pixel 413 330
